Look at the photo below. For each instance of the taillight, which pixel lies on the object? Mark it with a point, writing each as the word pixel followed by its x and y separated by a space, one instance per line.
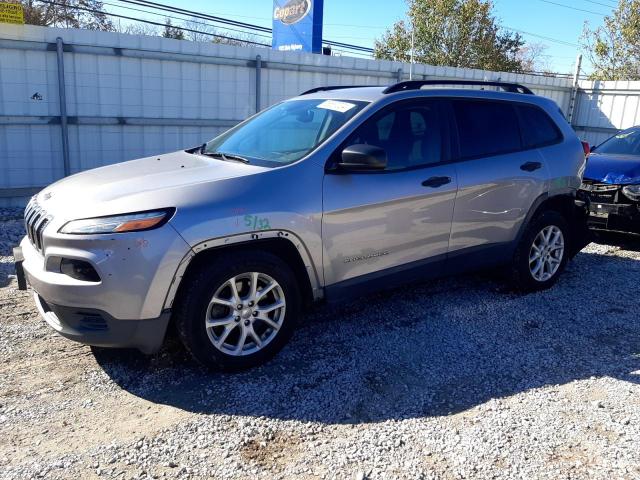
pixel 586 148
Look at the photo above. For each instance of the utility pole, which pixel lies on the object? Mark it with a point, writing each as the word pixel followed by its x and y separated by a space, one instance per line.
pixel 574 89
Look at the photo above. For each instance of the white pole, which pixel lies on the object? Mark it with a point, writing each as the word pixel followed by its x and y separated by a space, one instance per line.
pixel 576 73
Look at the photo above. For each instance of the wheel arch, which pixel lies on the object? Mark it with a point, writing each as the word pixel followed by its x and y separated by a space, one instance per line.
pixel 281 243
pixel 565 205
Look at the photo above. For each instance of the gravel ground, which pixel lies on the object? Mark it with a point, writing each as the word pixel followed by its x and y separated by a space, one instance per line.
pixel 453 379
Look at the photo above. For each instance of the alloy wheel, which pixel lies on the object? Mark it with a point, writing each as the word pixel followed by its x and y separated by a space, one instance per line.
pixel 546 253
pixel 245 313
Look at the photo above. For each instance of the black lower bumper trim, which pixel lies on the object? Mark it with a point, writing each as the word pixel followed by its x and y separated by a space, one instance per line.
pixel 615 222
pixel 18 259
pixel 98 328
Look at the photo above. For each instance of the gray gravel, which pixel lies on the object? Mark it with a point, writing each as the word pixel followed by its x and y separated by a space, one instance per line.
pixel 458 378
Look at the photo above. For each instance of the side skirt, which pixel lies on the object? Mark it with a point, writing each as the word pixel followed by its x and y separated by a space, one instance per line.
pixel 463 261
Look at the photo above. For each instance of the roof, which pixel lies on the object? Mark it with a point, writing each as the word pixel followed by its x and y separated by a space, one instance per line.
pixel 375 94
pixel 368 94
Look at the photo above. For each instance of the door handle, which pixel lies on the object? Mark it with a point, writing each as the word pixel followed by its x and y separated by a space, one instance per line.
pixel 435 182
pixel 530 166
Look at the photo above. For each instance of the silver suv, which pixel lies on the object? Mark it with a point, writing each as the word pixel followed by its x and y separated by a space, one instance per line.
pixel 330 195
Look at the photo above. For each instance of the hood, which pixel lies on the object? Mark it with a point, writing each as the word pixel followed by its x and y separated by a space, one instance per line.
pixel 613 169
pixel 138 184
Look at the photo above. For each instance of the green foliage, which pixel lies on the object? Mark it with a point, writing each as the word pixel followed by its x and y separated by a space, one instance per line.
pixel 172 32
pixel 614 48
pixel 456 33
pixel 87 14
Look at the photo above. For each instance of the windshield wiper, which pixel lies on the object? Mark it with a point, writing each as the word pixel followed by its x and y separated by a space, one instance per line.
pixel 227 157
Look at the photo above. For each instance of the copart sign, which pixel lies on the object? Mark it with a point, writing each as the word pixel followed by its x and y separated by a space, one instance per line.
pixel 297 25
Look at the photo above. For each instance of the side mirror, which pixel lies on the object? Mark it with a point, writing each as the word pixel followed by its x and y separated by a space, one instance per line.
pixel 361 157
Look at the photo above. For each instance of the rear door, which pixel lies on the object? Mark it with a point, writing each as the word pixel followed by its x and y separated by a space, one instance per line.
pixel 499 176
pixel 385 221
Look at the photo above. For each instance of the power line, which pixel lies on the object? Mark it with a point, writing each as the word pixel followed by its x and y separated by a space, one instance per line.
pixel 544 37
pixel 608 5
pixel 169 8
pixel 188 19
pixel 573 8
pixel 91 10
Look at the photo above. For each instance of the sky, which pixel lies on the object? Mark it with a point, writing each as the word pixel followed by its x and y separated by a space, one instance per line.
pixel 360 22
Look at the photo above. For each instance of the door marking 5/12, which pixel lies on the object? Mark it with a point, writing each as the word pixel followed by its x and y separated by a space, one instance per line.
pixel 256 223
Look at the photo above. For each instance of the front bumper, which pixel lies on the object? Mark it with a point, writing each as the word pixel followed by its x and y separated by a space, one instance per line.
pixel 98 328
pixel 125 306
pixel 135 270
pixel 616 214
pixel 615 218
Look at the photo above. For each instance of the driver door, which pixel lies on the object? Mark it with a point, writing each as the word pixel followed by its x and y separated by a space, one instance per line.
pixel 391 225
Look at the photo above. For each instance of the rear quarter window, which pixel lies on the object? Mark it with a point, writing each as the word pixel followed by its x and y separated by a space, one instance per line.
pixel 538 129
pixel 486 127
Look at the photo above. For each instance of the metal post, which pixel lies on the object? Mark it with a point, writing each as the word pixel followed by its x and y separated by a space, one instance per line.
pixel 399 75
pixel 574 90
pixel 258 81
pixel 63 106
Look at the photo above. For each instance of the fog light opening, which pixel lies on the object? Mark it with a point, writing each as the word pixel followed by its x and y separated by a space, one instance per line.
pixel 79 269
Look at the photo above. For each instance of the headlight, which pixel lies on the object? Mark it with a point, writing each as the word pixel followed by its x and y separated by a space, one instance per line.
pixel 133 222
pixel 632 191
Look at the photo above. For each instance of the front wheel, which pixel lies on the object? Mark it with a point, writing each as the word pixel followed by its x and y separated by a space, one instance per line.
pixel 238 312
pixel 542 253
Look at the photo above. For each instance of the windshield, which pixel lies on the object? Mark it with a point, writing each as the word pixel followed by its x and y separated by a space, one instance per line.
pixel 624 143
pixel 286 132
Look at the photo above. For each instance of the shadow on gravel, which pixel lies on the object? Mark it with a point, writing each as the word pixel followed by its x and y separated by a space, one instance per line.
pixel 431 350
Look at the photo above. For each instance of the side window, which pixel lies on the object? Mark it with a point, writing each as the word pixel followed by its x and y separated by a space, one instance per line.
pixel 537 128
pixel 384 126
pixel 486 128
pixel 411 134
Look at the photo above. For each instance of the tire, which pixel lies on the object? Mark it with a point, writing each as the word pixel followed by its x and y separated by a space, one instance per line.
pixel 227 325
pixel 524 275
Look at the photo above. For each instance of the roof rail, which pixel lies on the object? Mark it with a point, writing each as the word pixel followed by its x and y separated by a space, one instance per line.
pixel 333 87
pixel 417 84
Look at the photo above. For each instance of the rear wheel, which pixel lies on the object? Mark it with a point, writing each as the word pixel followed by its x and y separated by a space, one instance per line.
pixel 542 253
pixel 238 312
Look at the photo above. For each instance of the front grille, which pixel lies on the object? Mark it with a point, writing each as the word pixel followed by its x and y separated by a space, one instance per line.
pixel 35 221
pixel 601 192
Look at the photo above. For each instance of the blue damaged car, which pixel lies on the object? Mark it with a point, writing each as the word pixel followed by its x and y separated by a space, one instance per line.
pixel 612 183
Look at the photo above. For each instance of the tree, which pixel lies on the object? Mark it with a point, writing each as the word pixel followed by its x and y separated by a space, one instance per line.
pixel 614 48
pixel 172 32
pixel 532 58
pixel 456 33
pixel 138 29
pixel 87 14
pixel 201 31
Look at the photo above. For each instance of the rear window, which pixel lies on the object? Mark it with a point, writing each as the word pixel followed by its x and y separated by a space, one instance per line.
pixel 537 128
pixel 486 128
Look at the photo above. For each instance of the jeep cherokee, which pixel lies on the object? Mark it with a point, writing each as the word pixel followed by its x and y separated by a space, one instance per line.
pixel 335 193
